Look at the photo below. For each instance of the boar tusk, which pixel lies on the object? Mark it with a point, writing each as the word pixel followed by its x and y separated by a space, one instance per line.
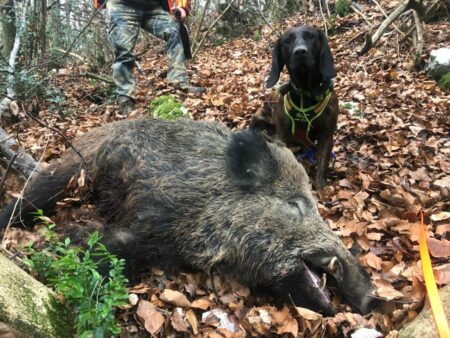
pixel 332 265
pixel 323 281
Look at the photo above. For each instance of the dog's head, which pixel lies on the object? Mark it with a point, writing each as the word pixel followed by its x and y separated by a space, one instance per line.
pixel 302 49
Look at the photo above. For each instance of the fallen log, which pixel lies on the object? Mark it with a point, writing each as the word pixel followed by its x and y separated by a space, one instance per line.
pixel 29 307
pixel 24 163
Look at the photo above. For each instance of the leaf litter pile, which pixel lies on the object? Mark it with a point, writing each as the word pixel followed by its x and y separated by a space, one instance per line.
pixel 392 159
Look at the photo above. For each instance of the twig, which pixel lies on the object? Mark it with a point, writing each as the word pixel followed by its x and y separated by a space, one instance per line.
pixel 73 42
pixel 371 40
pixel 385 15
pixel 361 14
pixel 6 139
pixel 8 168
pixel 88 75
pixel 327 7
pixel 267 21
pixel 211 27
pixel 356 36
pixel 65 52
pixel 56 131
pixel 397 46
pixel 407 34
pixel 19 199
pixel 324 19
pixel 200 24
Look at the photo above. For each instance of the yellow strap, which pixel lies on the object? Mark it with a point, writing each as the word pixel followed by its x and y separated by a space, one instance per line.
pixel 318 109
pixel 430 283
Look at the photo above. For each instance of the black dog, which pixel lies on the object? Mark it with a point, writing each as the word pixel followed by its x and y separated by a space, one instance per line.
pixel 308 106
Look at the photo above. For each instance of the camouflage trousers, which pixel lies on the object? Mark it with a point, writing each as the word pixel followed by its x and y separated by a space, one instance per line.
pixel 123 31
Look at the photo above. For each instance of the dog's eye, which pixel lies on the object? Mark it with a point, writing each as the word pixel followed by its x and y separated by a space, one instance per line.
pixel 287 40
pixel 308 35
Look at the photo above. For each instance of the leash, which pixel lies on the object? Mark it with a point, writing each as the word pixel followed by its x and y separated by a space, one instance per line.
pixel 430 283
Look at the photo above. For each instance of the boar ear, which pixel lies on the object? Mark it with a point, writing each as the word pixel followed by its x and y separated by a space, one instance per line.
pixel 250 161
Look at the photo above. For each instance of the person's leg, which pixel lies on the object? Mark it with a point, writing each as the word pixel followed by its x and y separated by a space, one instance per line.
pixel 123 31
pixel 160 23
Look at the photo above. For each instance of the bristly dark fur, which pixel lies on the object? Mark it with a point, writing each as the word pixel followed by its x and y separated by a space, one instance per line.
pixel 193 194
pixel 250 160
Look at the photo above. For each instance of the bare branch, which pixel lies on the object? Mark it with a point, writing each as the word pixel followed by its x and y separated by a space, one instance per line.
pixel 211 27
pixel 371 40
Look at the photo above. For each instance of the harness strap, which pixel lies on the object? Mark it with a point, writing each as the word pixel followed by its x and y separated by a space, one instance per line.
pixel 317 109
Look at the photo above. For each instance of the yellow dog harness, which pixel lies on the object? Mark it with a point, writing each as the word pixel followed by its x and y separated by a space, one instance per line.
pixel 304 114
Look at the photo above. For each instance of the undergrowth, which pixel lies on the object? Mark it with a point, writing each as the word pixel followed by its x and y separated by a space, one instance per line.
pixel 73 273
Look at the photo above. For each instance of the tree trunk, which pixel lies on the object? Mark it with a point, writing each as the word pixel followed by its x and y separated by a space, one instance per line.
pixel 8 27
pixel 423 325
pixel 29 307
pixel 5 103
pixel 43 28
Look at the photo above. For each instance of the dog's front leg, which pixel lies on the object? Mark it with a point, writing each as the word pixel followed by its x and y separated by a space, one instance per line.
pixel 324 148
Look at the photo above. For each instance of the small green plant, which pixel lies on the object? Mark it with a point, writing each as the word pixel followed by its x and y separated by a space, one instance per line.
pixel 257 35
pixel 167 107
pixel 342 7
pixel 444 82
pixel 347 105
pixel 73 273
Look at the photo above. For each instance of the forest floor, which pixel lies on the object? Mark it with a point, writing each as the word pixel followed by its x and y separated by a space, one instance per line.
pixel 392 150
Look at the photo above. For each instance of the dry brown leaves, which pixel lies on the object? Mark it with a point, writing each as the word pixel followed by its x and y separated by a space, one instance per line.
pixel 392 159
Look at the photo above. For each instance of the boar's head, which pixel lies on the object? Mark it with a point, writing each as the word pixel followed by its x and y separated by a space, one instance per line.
pixel 276 237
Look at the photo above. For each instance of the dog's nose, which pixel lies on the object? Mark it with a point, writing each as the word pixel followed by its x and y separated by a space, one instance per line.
pixel 300 51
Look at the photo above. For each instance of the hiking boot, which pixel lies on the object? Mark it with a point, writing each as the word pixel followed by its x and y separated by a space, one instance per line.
pixel 187 87
pixel 126 105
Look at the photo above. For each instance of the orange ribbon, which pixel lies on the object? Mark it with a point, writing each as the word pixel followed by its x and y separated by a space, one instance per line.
pixel 430 283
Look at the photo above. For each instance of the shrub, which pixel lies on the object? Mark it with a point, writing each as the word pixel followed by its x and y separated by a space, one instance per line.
pixel 444 81
pixel 73 273
pixel 342 7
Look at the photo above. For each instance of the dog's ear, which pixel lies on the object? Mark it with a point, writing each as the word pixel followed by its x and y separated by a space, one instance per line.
pixel 277 65
pixel 326 64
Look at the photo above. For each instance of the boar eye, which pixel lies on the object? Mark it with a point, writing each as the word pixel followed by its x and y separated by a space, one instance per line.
pixel 298 205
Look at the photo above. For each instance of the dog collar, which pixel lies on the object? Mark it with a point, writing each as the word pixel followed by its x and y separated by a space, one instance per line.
pixel 318 93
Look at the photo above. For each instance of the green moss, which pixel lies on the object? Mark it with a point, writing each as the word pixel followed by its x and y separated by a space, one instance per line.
pixel 342 7
pixel 444 82
pixel 167 107
pixel 31 309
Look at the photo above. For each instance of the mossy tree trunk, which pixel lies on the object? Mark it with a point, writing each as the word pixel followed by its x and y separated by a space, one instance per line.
pixel 423 325
pixel 29 307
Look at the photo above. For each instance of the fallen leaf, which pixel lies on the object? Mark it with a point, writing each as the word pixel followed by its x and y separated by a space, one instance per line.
pixel 154 322
pixel 192 319
pixel 201 303
pixel 177 321
pixel 442 274
pixel 145 309
pixel 371 260
pixel 439 249
pixel 174 298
